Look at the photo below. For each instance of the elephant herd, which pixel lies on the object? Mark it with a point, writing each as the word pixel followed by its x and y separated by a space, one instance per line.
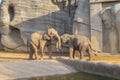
pixel 40 40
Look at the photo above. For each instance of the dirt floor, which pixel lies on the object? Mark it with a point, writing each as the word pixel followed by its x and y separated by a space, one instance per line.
pixel 10 56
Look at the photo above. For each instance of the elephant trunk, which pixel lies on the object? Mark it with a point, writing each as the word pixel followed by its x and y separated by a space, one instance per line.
pixel 58 43
pixel 52 33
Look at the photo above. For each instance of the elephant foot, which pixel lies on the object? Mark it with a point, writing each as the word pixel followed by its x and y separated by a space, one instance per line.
pixel 50 57
pixel 41 58
pixel 71 58
pixel 89 59
pixel 31 59
pixel 81 58
pixel 37 59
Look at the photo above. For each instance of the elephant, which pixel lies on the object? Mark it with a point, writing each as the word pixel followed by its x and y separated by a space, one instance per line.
pixel 111 28
pixel 77 42
pixel 108 28
pixel 39 41
pixel 53 34
pixel 116 15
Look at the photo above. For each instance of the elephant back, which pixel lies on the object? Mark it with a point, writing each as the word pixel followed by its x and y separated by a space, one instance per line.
pixel 36 37
pixel 82 40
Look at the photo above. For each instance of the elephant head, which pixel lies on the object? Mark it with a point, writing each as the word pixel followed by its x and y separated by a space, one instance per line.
pixel 53 34
pixel 107 18
pixel 65 38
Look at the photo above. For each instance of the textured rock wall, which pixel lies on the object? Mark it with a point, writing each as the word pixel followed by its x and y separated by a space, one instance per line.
pixel 22 17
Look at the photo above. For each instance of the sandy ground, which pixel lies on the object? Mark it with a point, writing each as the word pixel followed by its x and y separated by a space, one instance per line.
pixel 10 56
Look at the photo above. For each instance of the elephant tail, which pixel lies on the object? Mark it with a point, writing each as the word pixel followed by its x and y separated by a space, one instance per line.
pixel 93 51
pixel 27 45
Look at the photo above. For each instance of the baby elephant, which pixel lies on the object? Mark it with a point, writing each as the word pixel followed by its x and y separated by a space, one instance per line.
pixel 39 40
pixel 77 42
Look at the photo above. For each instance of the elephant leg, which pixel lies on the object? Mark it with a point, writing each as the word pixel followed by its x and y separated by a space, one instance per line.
pixel 81 55
pixel 36 51
pixel 82 51
pixel 31 52
pixel 42 46
pixel 36 54
pixel 42 51
pixel 90 53
pixel 71 52
pixel 57 45
pixel 50 52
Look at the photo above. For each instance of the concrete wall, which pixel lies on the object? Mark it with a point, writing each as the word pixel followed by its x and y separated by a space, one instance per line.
pixel 97 68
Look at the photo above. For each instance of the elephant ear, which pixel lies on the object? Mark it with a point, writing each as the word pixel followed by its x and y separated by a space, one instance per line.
pixel 46 37
pixel 105 13
pixel 106 16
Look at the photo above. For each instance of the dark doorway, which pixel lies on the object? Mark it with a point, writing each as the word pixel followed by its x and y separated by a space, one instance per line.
pixel 11 12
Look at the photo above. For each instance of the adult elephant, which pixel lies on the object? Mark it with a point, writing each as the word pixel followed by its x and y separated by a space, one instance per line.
pixel 110 17
pixel 116 15
pixel 77 42
pixel 39 41
pixel 108 29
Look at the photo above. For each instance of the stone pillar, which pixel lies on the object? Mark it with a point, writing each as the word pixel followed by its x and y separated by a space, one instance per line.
pixel 96 25
pixel 82 18
pixel 1 47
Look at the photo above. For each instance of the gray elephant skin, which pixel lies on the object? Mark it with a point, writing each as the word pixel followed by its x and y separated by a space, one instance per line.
pixel 110 17
pixel 40 40
pixel 77 42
